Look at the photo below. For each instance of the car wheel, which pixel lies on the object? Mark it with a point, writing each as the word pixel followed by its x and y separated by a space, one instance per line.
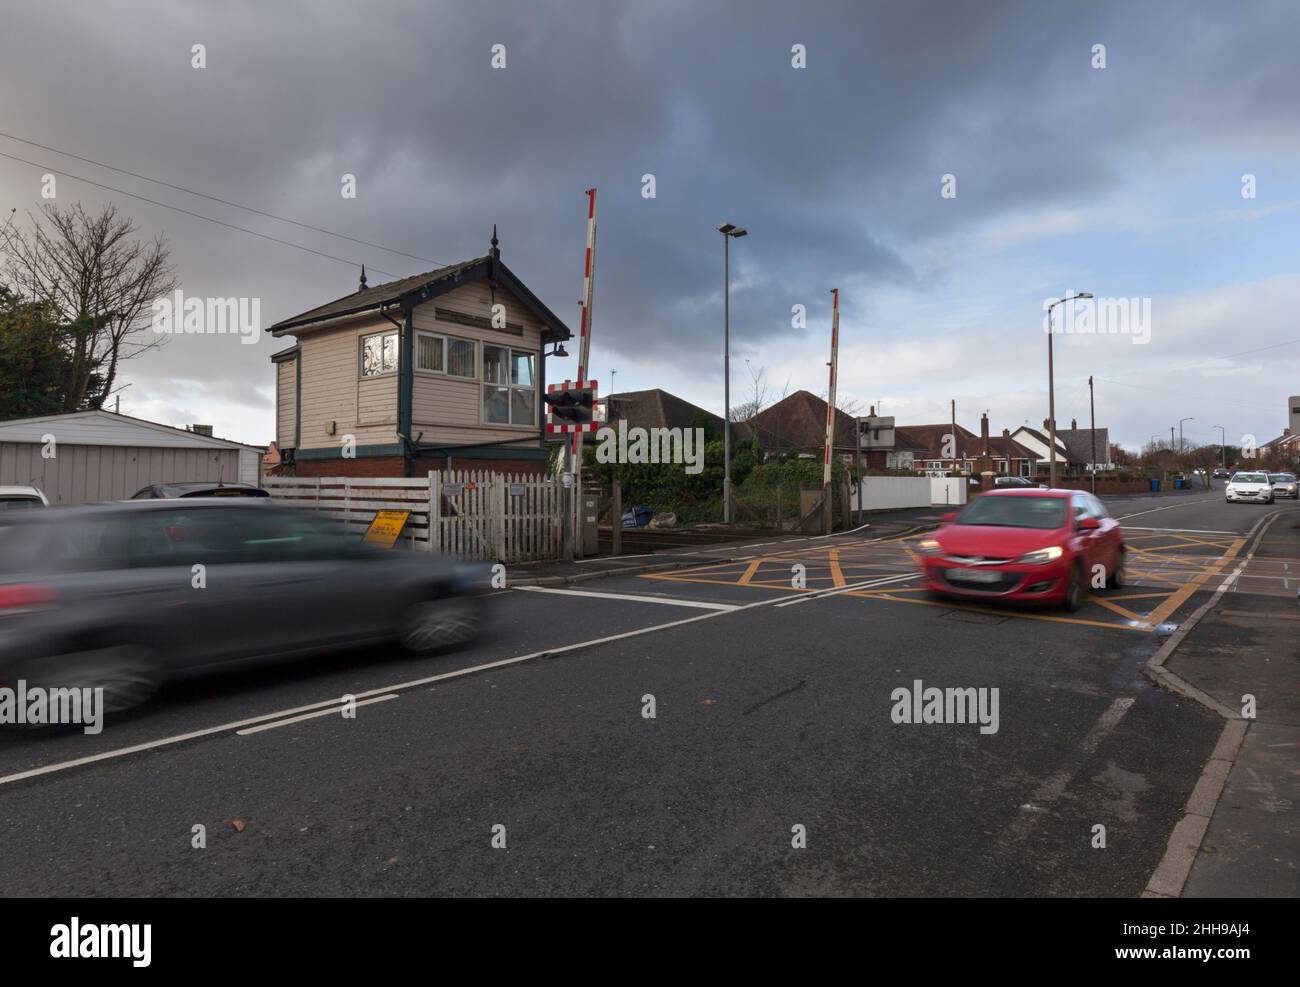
pixel 435 624
pixel 1073 590
pixel 128 675
pixel 1116 577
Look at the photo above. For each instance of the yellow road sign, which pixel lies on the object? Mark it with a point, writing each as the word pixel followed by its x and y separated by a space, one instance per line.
pixel 386 527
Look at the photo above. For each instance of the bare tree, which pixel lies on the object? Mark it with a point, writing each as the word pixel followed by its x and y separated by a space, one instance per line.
pixel 100 280
pixel 756 400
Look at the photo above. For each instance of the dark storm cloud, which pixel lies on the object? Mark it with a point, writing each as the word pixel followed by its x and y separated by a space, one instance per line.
pixel 835 168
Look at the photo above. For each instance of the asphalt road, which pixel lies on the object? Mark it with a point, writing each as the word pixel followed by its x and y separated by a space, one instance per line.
pixel 772 711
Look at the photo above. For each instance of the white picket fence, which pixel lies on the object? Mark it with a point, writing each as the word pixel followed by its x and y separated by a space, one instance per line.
pixel 470 514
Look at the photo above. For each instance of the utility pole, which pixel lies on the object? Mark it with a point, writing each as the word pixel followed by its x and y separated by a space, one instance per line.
pixel 830 411
pixel 1171 436
pixel 584 355
pixel 1092 422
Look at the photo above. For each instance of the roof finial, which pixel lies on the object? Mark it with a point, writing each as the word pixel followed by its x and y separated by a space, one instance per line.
pixel 496 251
pixel 362 286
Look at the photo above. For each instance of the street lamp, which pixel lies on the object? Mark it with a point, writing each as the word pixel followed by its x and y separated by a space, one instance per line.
pixel 728 231
pixel 1223 452
pixel 1181 446
pixel 1051 389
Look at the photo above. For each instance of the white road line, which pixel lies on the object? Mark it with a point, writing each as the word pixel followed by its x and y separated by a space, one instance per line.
pixel 606 558
pixel 1177 531
pixel 397 687
pixel 668 601
pixel 821 594
pixel 336 711
pixel 1156 510
pixel 1055 786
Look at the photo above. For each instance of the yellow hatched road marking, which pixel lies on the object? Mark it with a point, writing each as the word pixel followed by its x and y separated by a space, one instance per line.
pixel 750 570
pixel 837 574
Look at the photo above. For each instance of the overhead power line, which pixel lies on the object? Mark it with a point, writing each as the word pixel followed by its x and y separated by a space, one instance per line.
pixel 224 202
pixel 209 219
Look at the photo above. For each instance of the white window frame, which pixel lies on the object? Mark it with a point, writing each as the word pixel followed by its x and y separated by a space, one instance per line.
pixel 483 383
pixel 444 338
pixel 361 350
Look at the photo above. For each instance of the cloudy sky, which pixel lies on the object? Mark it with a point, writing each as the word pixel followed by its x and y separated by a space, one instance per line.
pixel 1124 180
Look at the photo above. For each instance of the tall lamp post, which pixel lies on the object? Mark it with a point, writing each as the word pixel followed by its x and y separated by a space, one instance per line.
pixel 1223 452
pixel 728 231
pixel 1181 447
pixel 1051 388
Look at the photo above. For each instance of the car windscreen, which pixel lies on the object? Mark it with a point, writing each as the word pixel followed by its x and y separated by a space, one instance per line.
pixel 19 503
pixel 1250 478
pixel 1015 512
pixel 1281 477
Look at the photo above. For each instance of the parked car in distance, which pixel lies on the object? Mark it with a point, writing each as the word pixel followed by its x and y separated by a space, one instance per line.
pixel 106 595
pixel 1033 546
pixel 21 498
pixel 1284 485
pixel 1018 482
pixel 1221 473
pixel 1253 488
pixel 193 488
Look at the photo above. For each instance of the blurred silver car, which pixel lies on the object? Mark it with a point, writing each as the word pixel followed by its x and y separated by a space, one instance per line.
pixel 1284 485
pixel 131 595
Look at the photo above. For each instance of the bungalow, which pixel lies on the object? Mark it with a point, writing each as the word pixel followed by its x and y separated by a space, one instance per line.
pixel 657 408
pixel 797 425
pixel 1073 447
pixel 443 369
pixel 969 453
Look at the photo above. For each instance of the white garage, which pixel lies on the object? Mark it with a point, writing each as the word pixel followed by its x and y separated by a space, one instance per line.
pixel 89 456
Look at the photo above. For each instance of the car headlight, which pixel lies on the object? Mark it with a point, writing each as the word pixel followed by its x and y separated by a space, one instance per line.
pixel 928 546
pixel 1041 556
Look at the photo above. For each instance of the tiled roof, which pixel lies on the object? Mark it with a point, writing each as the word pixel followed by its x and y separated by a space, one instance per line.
pixel 798 423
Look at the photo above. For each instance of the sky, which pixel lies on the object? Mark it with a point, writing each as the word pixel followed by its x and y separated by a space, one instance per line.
pixel 948 167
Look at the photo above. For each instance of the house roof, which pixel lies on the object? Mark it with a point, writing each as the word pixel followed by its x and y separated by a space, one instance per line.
pixel 1285 439
pixel 798 422
pixel 279 356
pixel 104 428
pixel 657 408
pixel 1060 443
pixel 929 439
pixel 410 291
pixel 1078 444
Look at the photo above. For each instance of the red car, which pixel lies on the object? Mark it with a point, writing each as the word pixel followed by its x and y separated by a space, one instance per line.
pixel 1031 546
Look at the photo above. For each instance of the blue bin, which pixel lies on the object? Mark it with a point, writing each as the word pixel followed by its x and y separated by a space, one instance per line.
pixel 638 517
pixel 1155 485
pixel 1178 483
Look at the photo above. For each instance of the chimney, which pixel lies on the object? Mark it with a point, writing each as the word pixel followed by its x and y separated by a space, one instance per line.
pixel 872 412
pixel 1047 424
pixel 1074 424
pixel 1006 433
pixel 984 431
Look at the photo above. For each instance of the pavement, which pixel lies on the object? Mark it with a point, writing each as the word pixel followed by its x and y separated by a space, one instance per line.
pixel 716 729
pixel 1244 658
